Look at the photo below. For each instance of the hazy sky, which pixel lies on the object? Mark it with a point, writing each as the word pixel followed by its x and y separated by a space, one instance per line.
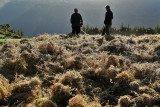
pixel 3 3
pixel 53 16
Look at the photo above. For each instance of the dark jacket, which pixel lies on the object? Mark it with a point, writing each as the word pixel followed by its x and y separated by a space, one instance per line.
pixel 108 18
pixel 76 19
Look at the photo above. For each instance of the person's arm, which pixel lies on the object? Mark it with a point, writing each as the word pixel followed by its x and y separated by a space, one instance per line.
pixel 111 15
pixel 81 20
pixel 71 19
pixel 105 19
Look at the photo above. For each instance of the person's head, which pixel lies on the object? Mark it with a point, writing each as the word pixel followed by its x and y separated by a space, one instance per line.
pixel 76 10
pixel 107 7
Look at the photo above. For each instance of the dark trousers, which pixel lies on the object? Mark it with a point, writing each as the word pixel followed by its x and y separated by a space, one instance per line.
pixel 106 30
pixel 75 30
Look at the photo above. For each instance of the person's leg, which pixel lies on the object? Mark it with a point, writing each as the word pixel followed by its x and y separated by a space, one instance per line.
pixel 104 30
pixel 73 30
pixel 108 29
pixel 78 30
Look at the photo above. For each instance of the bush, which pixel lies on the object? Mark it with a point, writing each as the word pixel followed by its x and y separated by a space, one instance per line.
pixel 60 93
pixel 124 101
pixel 72 63
pixel 44 102
pixel 143 100
pixel 49 48
pixel 111 73
pixel 54 67
pixel 112 60
pixel 134 85
pixel 147 90
pixel 94 104
pixel 108 74
pixel 4 90
pixel 156 86
pixel 124 78
pixel 35 82
pixel 71 78
pixel 78 101
pixel 82 101
pixel 5 29
pixel 24 91
pixel 145 70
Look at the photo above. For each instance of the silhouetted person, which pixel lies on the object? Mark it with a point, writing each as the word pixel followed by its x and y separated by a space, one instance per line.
pixel 76 21
pixel 107 21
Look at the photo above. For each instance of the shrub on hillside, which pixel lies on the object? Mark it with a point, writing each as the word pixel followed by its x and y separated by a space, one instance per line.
pixel 107 74
pixel 44 102
pixel 25 90
pixel 49 48
pixel 54 67
pixel 134 85
pixel 78 101
pixel 42 37
pixel 124 78
pixel 18 65
pixel 94 104
pixel 34 82
pixel 72 63
pixel 89 73
pixel 71 78
pixel 145 70
pixel 124 101
pixel 156 86
pixel 60 93
pixel 112 60
pixel 144 100
pixel 82 101
pixel 4 90
pixel 147 90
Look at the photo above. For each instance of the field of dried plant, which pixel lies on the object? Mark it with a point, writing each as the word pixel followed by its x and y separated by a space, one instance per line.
pixel 84 71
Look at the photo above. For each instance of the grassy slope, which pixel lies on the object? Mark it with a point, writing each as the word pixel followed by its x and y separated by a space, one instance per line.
pixel 3 41
pixel 1 36
pixel 85 71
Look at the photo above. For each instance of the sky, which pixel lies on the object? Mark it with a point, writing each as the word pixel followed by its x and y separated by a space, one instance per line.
pixel 53 16
pixel 3 3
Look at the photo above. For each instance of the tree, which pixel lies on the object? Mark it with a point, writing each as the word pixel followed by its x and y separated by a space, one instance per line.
pixel 20 33
pixel 12 31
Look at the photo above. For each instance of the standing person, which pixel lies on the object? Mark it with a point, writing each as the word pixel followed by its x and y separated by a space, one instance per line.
pixel 76 21
pixel 107 21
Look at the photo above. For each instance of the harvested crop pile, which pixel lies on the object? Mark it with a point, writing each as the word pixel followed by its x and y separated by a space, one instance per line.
pixel 84 71
pixel 4 90
pixel 25 91
pixel 83 101
pixel 44 102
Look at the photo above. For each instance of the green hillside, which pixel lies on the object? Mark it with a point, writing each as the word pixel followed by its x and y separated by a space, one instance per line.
pixel 2 41
pixel 7 34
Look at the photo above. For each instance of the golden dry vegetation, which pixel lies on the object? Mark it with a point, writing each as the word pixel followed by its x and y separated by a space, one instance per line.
pixel 84 71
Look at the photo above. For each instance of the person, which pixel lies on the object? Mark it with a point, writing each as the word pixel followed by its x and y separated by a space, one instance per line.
pixel 107 21
pixel 76 21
